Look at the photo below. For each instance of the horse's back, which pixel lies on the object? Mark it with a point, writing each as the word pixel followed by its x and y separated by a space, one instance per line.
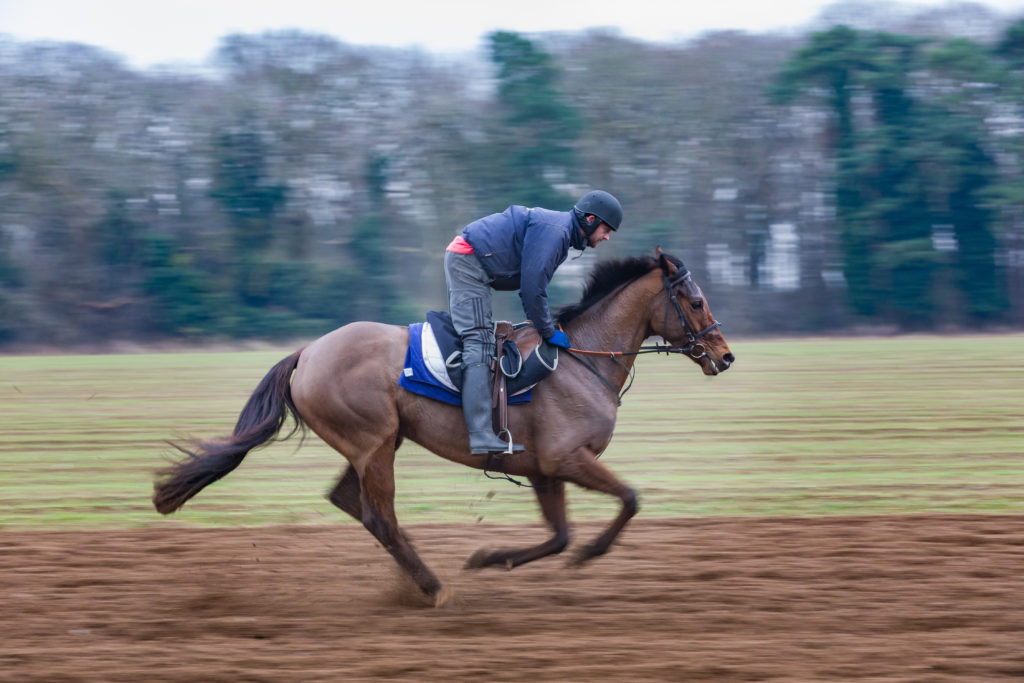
pixel 355 341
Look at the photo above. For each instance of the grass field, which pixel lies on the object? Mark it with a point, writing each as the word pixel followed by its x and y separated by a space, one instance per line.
pixel 808 427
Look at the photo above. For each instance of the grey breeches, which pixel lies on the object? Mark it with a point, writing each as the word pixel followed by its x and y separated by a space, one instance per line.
pixel 469 302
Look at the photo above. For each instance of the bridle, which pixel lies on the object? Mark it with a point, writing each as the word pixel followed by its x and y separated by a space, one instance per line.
pixel 694 349
pixel 693 345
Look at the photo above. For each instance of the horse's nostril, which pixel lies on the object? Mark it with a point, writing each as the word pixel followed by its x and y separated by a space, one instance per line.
pixel 729 358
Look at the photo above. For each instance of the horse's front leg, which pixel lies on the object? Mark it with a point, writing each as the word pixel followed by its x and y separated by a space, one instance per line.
pixel 551 497
pixel 583 468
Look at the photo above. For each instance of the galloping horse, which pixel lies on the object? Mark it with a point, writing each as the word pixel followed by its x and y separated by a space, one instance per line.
pixel 344 386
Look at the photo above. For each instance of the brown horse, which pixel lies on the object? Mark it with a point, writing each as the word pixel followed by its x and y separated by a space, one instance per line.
pixel 344 386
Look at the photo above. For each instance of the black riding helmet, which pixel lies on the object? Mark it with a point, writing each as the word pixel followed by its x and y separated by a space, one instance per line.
pixel 600 204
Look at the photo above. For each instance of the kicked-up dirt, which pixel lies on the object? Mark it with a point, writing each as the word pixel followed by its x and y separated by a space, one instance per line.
pixel 914 598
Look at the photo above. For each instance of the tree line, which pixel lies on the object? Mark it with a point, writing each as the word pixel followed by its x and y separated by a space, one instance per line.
pixel 851 177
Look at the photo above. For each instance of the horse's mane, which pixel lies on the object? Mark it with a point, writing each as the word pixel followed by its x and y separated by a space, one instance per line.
pixel 606 277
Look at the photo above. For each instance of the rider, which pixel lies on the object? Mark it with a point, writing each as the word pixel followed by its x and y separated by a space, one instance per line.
pixel 519 248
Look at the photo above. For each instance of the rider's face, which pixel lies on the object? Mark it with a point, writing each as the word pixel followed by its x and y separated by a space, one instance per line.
pixel 601 233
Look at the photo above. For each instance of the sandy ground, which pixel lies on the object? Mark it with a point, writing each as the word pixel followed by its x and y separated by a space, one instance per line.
pixel 918 598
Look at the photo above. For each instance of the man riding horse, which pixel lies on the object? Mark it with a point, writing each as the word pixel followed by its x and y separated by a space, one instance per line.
pixel 344 387
pixel 518 249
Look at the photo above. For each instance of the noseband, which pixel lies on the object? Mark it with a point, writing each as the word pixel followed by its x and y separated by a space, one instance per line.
pixel 693 348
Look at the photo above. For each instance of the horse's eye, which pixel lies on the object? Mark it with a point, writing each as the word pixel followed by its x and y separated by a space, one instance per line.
pixel 697 305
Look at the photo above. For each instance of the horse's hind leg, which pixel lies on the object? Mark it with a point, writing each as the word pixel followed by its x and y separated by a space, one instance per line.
pixel 345 494
pixel 583 468
pixel 377 504
pixel 551 497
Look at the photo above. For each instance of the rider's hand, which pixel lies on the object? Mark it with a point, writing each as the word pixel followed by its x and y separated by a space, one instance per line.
pixel 559 338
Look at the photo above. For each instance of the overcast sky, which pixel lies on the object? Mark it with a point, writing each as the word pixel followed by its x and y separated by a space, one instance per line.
pixel 149 33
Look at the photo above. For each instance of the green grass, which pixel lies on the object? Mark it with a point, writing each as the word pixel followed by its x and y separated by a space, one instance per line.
pixel 808 427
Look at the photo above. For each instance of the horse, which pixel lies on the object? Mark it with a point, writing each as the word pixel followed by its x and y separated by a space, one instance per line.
pixel 344 387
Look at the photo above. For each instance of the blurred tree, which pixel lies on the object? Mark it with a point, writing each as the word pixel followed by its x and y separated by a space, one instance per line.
pixel 8 162
pixel 314 182
pixel 1009 192
pixel 1011 45
pixel 979 273
pixel 893 220
pixel 373 249
pixel 906 164
pixel 11 282
pixel 117 242
pixel 184 302
pixel 251 199
pixel 831 61
pixel 534 146
pixel 292 61
pixel 966 93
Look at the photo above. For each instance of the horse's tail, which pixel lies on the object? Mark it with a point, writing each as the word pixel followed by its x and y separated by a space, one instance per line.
pixel 207 461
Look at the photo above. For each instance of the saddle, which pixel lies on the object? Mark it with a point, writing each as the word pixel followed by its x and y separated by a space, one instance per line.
pixel 521 360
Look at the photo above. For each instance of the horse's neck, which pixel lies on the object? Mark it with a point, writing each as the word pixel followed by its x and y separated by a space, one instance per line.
pixel 618 323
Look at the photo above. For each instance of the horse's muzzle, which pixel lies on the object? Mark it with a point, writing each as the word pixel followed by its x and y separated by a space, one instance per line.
pixel 714 368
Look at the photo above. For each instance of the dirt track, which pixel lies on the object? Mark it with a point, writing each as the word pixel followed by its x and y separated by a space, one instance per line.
pixel 938 598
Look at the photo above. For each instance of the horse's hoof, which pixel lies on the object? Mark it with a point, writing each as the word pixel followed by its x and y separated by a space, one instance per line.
pixel 443 597
pixel 477 559
pixel 581 557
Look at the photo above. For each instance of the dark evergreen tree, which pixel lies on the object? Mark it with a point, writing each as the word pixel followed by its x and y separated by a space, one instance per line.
pixel 534 147
pixel 907 163
pixel 251 199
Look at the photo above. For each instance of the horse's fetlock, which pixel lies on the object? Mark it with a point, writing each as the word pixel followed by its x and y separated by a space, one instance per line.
pixel 630 502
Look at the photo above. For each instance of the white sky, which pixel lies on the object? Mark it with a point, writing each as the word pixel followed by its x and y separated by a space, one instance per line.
pixel 148 32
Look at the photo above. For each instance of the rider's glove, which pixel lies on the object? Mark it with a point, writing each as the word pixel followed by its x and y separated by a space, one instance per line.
pixel 559 338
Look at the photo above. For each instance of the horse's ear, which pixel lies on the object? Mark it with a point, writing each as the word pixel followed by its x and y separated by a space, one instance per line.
pixel 665 263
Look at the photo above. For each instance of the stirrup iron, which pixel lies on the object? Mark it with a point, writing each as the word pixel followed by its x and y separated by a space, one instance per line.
pixel 512 447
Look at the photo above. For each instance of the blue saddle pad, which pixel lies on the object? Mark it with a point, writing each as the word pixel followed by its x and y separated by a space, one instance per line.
pixel 418 379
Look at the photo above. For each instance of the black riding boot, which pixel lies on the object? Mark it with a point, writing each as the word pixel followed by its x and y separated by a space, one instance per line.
pixel 476 407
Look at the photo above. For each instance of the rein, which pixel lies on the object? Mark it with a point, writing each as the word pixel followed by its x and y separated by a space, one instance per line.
pixel 693 348
pixel 631 372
